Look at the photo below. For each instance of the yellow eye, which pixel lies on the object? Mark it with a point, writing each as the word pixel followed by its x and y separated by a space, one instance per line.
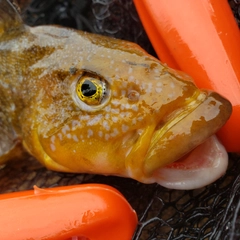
pixel 91 90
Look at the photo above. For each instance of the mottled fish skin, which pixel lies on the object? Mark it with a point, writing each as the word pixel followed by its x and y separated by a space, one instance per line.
pixel 149 116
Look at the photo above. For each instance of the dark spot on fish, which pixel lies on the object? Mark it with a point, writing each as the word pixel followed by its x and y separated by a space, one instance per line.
pixel 35 53
pixel 72 70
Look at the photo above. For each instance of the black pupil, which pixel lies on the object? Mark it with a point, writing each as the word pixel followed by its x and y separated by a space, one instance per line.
pixel 88 88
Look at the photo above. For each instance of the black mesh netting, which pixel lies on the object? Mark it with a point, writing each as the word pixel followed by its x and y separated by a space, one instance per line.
pixel 212 212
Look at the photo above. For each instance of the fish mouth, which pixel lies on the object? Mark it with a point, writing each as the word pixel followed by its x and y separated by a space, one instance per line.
pixel 185 130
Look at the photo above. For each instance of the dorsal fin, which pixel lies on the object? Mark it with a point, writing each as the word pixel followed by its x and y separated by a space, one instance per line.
pixel 11 24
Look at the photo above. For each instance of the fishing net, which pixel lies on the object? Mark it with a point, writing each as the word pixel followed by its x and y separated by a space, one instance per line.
pixel 212 212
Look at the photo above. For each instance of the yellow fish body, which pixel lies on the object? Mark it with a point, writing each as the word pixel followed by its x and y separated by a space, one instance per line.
pixel 80 102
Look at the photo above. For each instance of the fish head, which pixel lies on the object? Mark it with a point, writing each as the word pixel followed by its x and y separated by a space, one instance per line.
pixel 103 105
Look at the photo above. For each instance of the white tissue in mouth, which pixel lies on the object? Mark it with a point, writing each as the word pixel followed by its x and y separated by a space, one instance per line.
pixel 204 165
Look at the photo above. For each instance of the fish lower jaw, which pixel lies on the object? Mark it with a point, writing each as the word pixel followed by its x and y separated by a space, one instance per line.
pixel 204 165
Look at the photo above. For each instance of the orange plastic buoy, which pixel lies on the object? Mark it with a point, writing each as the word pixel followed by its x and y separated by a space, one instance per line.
pixel 201 38
pixel 87 211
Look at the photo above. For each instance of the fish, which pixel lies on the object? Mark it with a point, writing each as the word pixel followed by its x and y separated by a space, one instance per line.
pixel 84 103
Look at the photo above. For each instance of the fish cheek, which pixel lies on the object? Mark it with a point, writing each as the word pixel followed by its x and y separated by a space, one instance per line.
pixel 65 153
pixel 82 155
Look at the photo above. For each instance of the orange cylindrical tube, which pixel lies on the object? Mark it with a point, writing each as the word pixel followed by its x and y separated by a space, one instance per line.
pixel 201 38
pixel 88 211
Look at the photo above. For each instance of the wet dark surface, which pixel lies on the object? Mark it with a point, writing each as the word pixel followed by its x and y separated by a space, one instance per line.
pixel 208 213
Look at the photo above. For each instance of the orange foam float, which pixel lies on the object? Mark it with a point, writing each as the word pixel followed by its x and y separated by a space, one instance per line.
pixel 81 212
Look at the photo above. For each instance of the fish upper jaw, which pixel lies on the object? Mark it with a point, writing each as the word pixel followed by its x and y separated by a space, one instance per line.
pixel 181 133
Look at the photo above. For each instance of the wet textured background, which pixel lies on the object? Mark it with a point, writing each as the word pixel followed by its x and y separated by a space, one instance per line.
pixel 212 212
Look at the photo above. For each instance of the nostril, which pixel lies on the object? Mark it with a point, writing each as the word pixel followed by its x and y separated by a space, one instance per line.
pixel 133 95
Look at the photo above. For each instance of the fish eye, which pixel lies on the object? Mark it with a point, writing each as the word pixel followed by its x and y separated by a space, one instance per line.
pixel 91 92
